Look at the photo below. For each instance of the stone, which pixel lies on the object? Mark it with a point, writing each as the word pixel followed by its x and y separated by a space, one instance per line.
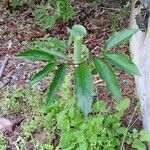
pixel 1 107
pixel 6 80
pixel 1 85
pixel 4 124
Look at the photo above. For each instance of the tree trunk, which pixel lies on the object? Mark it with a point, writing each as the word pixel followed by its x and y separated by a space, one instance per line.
pixel 140 50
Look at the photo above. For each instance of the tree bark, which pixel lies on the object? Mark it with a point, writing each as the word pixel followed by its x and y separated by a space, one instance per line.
pixel 140 50
pixel 146 4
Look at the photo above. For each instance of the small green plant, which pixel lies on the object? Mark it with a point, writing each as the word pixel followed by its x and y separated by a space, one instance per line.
pixel 21 101
pixel 32 125
pixel 64 123
pixel 95 3
pixel 2 142
pixel 62 9
pixel 17 3
pixel 49 42
pixel 114 20
pixel 83 78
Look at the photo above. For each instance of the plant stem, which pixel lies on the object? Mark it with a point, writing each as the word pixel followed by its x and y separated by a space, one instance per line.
pixel 124 136
pixel 70 63
pixel 77 49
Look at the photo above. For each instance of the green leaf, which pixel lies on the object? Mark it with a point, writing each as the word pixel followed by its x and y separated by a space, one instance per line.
pixel 64 124
pixel 59 43
pixel 83 146
pixel 144 136
pixel 84 88
pixel 43 73
pixel 15 4
pixel 56 53
pixel 123 62
pixel 59 75
pixel 121 130
pixel 119 38
pixel 67 140
pixel 138 145
pixel 36 55
pixel 51 21
pixel 123 104
pixel 107 74
pixel 99 106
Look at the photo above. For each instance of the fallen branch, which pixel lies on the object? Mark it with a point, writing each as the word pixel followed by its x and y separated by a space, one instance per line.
pixel 4 63
pixel 110 9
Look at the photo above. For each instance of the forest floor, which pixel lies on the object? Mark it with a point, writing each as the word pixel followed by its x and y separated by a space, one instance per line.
pixel 19 27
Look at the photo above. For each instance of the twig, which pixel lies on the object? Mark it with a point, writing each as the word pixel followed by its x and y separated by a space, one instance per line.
pixel 98 82
pixel 72 64
pixel 134 122
pixel 111 9
pixel 4 63
pixel 129 125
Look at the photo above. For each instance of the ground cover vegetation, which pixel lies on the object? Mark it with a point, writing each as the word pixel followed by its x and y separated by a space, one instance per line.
pixel 64 126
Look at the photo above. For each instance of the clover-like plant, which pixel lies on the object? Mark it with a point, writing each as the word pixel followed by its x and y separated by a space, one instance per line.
pixel 57 60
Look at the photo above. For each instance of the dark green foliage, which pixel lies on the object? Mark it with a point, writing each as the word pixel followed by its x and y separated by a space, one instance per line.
pixel 17 3
pixel 107 74
pixel 119 38
pixel 59 75
pixel 53 50
pixel 36 55
pixel 84 88
pixel 43 73
pixel 62 10
pixel 65 123
pixel 122 62
pixel 58 54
